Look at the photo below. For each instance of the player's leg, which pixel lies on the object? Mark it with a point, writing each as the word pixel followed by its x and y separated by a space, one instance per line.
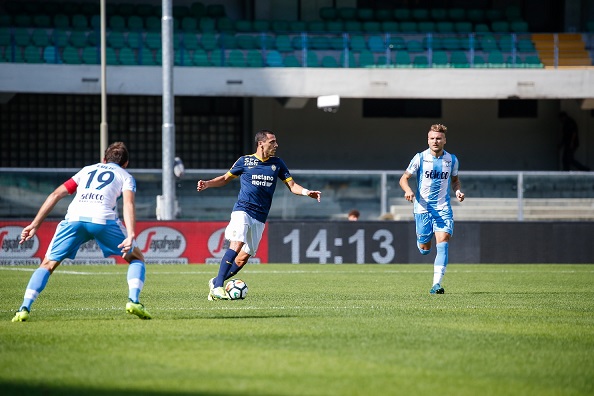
pixel 444 228
pixel 108 237
pixel 424 230
pixel 253 238
pixel 65 243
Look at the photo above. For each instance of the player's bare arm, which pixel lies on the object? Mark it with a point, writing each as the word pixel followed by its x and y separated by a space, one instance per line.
pixel 218 181
pixel 49 204
pixel 129 221
pixel 456 186
pixel 299 190
pixel 409 195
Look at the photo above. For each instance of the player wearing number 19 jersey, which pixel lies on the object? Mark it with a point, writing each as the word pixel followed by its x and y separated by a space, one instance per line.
pixel 92 214
pixel 436 172
pixel 258 174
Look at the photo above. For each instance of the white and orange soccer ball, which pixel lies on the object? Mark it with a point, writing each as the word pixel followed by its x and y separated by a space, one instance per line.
pixel 237 289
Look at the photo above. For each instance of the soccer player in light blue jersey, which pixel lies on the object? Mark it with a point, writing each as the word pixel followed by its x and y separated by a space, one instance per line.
pixel 257 174
pixel 92 214
pixel 436 172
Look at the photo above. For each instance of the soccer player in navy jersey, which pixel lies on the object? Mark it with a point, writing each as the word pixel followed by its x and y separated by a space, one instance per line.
pixel 92 214
pixel 258 174
pixel 436 172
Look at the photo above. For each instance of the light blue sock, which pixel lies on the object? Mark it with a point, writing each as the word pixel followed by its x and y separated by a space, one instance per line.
pixel 36 285
pixel 136 275
pixel 226 264
pixel 441 262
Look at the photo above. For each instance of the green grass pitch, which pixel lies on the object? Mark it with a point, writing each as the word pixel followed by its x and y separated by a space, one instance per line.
pixel 304 330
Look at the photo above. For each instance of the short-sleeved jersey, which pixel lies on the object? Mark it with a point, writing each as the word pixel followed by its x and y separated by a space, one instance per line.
pixel 98 188
pixel 258 182
pixel 433 177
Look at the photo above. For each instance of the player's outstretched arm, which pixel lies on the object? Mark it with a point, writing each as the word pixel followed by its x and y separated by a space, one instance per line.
pixel 218 181
pixel 299 190
pixel 49 204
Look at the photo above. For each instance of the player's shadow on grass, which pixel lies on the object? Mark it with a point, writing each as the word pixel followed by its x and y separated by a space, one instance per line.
pixel 13 389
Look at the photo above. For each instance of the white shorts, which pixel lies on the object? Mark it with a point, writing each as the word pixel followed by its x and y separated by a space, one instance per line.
pixel 243 228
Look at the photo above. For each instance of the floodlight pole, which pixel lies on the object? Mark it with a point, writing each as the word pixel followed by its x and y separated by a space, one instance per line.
pixel 103 130
pixel 167 206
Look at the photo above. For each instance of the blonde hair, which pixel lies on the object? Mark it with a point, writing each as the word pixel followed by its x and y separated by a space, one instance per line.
pixel 438 128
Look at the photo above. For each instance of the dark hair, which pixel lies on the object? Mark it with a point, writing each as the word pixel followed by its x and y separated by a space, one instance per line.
pixel 262 134
pixel 438 128
pixel 355 213
pixel 117 153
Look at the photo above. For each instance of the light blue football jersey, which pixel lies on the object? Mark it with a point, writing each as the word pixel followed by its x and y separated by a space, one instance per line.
pixel 433 177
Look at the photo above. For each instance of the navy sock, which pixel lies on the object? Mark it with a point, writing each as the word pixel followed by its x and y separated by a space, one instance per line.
pixel 233 270
pixel 226 263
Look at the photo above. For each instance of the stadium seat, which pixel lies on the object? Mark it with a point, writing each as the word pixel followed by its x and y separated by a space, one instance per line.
pixel 200 58
pixel 243 26
pixel 79 39
pixel 347 13
pixel 111 57
pixel 365 14
pixel 440 59
pixel 526 45
pixel 482 28
pixel 459 59
pixel 51 54
pixel 261 26
pixel 189 24
pixel 254 58
pixel 236 59
pixel 420 14
pixel 183 57
pixel 115 39
pixel 189 41
pixel 414 46
pixel 297 26
pixel 402 14
pixel 208 41
pixel 135 23
pixel 456 14
pixel 22 20
pixel 283 43
pixel 396 43
pixel 463 27
pixel 366 59
pixel 60 38
pixel 280 26
pixel 445 27
pixel 495 59
pixel 227 41
pixel 264 41
pixel 91 56
pixel 338 43
pixel 383 14
pixel 153 40
pixel 532 61
pixel 148 58
pixel 438 14
pixel 347 61
pixel 519 26
pixel 487 43
pixel 390 27
pixel 334 27
pixel 274 59
pixel 40 38
pixel 353 26
pixel 22 37
pixel 329 61
pixel 426 27
pixel 371 27
pixel 478 61
pixel 291 61
pixel 32 54
pixel 152 23
pixel 409 27
pixel 357 43
pixel 500 26
pixel 207 25
pixel 134 40
pixel 311 59
pixel 328 13
pixel 5 20
pixel 376 44
pixel 421 61
pixel 42 21
pixel 316 27
pixel 116 23
pixel 216 10
pixel 225 25
pixel 402 59
pixel 126 56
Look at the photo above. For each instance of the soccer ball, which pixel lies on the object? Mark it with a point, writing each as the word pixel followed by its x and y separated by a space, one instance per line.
pixel 237 289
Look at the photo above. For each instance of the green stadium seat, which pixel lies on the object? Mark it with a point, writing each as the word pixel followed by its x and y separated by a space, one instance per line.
pixel 476 15
pixel 445 27
pixel 153 40
pixel 457 14
pixel 91 56
pixel 389 26
pixel 500 26
pixel 495 59
pixel 216 10
pixel 383 15
pixel 426 27
pixel 5 20
pixel 153 23
pixel 347 13
pixel 96 22
pixel 146 57
pixel 459 59
pixel 116 23
pixel 227 41
pixel 236 59
pixel 274 59
pixel 463 27
pixel 115 39
pixel 506 42
pixel 366 59
pixel 328 13
pixel 479 61
pixel 127 56
pixel 526 45
pixel 42 21
pixel 365 14
pixel 514 61
pixel 217 58
pixel 291 61
pixel 376 44
pixel 135 23
pixel 182 57
pixel 265 41
pixel 329 61
pixel 297 26
pixel 189 41
pixel 319 43
pixel 261 25
pixel 409 27
pixel 243 26
pixel 134 40
pixel 280 26
pixel 40 38
pixel 200 58
pixel 61 21
pixel 438 14
pixel 352 26
pixel 402 59
pixel 283 43
pixel 440 59
pixel 300 42
pixel 189 24
pixel 396 43
pixel 420 14
pixel 338 43
pixel 207 25
pixel 357 43
pixel 208 41
pixel 533 61
pixel 451 43
pixel 60 38
pixel 488 43
pixel 371 27
pixel 420 61
pixel 482 28
pixel 494 14
pixel 32 54
pixel 519 26
pixel 51 54
pixel 22 37
pixel 22 20
pixel 246 41
pixel 254 58
pixel 316 27
pixel 414 46
pixel 334 27
pixel 402 14
pixel 311 59
pixel 225 25
pixel 111 57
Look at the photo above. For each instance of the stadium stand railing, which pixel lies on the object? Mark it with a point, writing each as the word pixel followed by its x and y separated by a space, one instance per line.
pixel 491 196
